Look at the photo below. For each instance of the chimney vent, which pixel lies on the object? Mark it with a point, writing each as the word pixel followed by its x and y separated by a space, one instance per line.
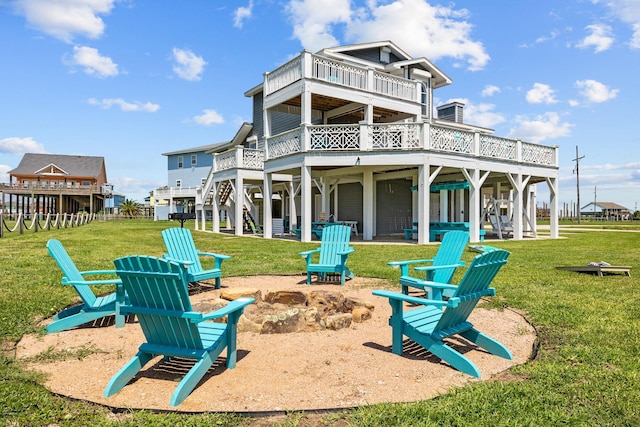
pixel 451 112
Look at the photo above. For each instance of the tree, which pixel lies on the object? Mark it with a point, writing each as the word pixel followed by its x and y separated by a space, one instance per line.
pixel 129 208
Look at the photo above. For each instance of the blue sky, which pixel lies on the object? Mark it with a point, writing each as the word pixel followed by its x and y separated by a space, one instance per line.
pixel 132 79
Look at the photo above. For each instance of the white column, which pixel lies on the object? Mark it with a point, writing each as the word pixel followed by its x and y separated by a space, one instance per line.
pixel 293 214
pixel 215 208
pixel 305 192
pixel 367 204
pixel 424 195
pixel 517 206
pixel 239 205
pixel 267 194
pixel 475 204
pixel 459 196
pixel 553 207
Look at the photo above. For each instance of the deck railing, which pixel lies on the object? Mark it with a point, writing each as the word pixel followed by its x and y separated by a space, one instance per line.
pixel 174 193
pixel 407 137
pixel 309 66
pixel 239 158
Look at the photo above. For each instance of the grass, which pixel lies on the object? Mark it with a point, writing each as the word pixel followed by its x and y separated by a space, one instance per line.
pixel 586 371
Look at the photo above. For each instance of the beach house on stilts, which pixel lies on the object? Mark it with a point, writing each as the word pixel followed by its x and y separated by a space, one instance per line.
pixel 349 134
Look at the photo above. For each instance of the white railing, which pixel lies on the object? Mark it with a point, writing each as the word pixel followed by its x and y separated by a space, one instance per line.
pixel 451 140
pixel 341 74
pixel 395 137
pixel 407 137
pixel 334 137
pixel 284 144
pixel 283 76
pixel 239 157
pixel 497 147
pixel 174 192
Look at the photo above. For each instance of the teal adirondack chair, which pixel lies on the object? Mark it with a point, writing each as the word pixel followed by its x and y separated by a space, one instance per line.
pixel 158 294
pixel 428 325
pixel 92 306
pixel 333 253
pixel 181 247
pixel 442 267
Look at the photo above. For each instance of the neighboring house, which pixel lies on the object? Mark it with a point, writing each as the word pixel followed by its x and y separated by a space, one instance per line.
pixel 186 171
pixel 606 210
pixel 112 203
pixel 55 183
pixel 349 132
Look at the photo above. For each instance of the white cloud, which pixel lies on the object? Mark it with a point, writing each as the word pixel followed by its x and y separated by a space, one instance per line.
pixel 595 92
pixel 63 19
pixel 418 27
pixel 4 173
pixel 241 14
pixel 628 11
pixel 490 90
pixel 313 21
pixel 20 146
pixel 188 66
pixel 125 106
pixel 92 62
pixel 546 126
pixel 208 118
pixel 541 94
pixel 600 39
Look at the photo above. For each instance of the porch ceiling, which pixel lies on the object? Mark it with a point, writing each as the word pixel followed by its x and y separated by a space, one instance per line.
pixel 327 103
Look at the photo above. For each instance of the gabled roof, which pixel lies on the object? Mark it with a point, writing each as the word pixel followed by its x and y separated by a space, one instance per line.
pixel 202 148
pixel 57 164
pixel 606 205
pixel 343 52
pixel 238 139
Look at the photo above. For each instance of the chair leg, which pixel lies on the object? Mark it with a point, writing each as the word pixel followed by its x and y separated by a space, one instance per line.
pixel 217 283
pixel 449 355
pixel 492 346
pixel 191 380
pixel 126 373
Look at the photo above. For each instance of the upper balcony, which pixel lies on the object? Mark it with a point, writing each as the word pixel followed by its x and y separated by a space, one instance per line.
pixel 239 158
pixel 167 193
pixel 307 65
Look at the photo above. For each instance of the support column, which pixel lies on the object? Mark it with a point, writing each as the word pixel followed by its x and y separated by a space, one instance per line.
pixel 367 204
pixel 267 195
pixel 239 206
pixel 553 207
pixel 424 195
pixel 215 209
pixel 293 213
pixel 305 191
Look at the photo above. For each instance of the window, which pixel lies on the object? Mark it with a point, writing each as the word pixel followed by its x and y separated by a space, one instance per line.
pixel 178 183
pixel 194 160
pixel 86 183
pixel 203 181
pixel 180 162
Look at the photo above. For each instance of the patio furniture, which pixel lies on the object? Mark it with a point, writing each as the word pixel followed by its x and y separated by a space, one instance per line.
pixel 157 290
pixel 441 268
pixel 333 253
pixel 92 307
pixel 181 247
pixel 428 325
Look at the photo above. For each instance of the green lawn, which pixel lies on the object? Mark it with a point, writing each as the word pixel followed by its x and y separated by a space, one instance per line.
pixel 586 371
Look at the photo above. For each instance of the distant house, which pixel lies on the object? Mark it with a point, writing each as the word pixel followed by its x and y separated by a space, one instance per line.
pixel 606 210
pixel 187 171
pixel 55 183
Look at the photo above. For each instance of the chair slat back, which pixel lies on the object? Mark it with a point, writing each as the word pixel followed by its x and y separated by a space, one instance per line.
pixel 180 245
pixel 335 239
pixel 70 271
pixel 472 287
pixel 158 295
pixel 449 253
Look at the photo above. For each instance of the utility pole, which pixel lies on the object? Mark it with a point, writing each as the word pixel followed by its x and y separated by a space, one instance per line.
pixel 576 170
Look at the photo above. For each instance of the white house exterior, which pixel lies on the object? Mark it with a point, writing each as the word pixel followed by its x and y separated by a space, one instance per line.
pixel 350 132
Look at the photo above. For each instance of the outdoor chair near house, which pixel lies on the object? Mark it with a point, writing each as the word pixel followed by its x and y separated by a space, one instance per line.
pixel 435 320
pixel 158 296
pixel 92 307
pixel 181 247
pixel 501 225
pixel 440 269
pixel 331 255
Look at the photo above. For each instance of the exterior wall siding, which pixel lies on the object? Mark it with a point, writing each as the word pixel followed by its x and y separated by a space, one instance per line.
pixel 393 206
